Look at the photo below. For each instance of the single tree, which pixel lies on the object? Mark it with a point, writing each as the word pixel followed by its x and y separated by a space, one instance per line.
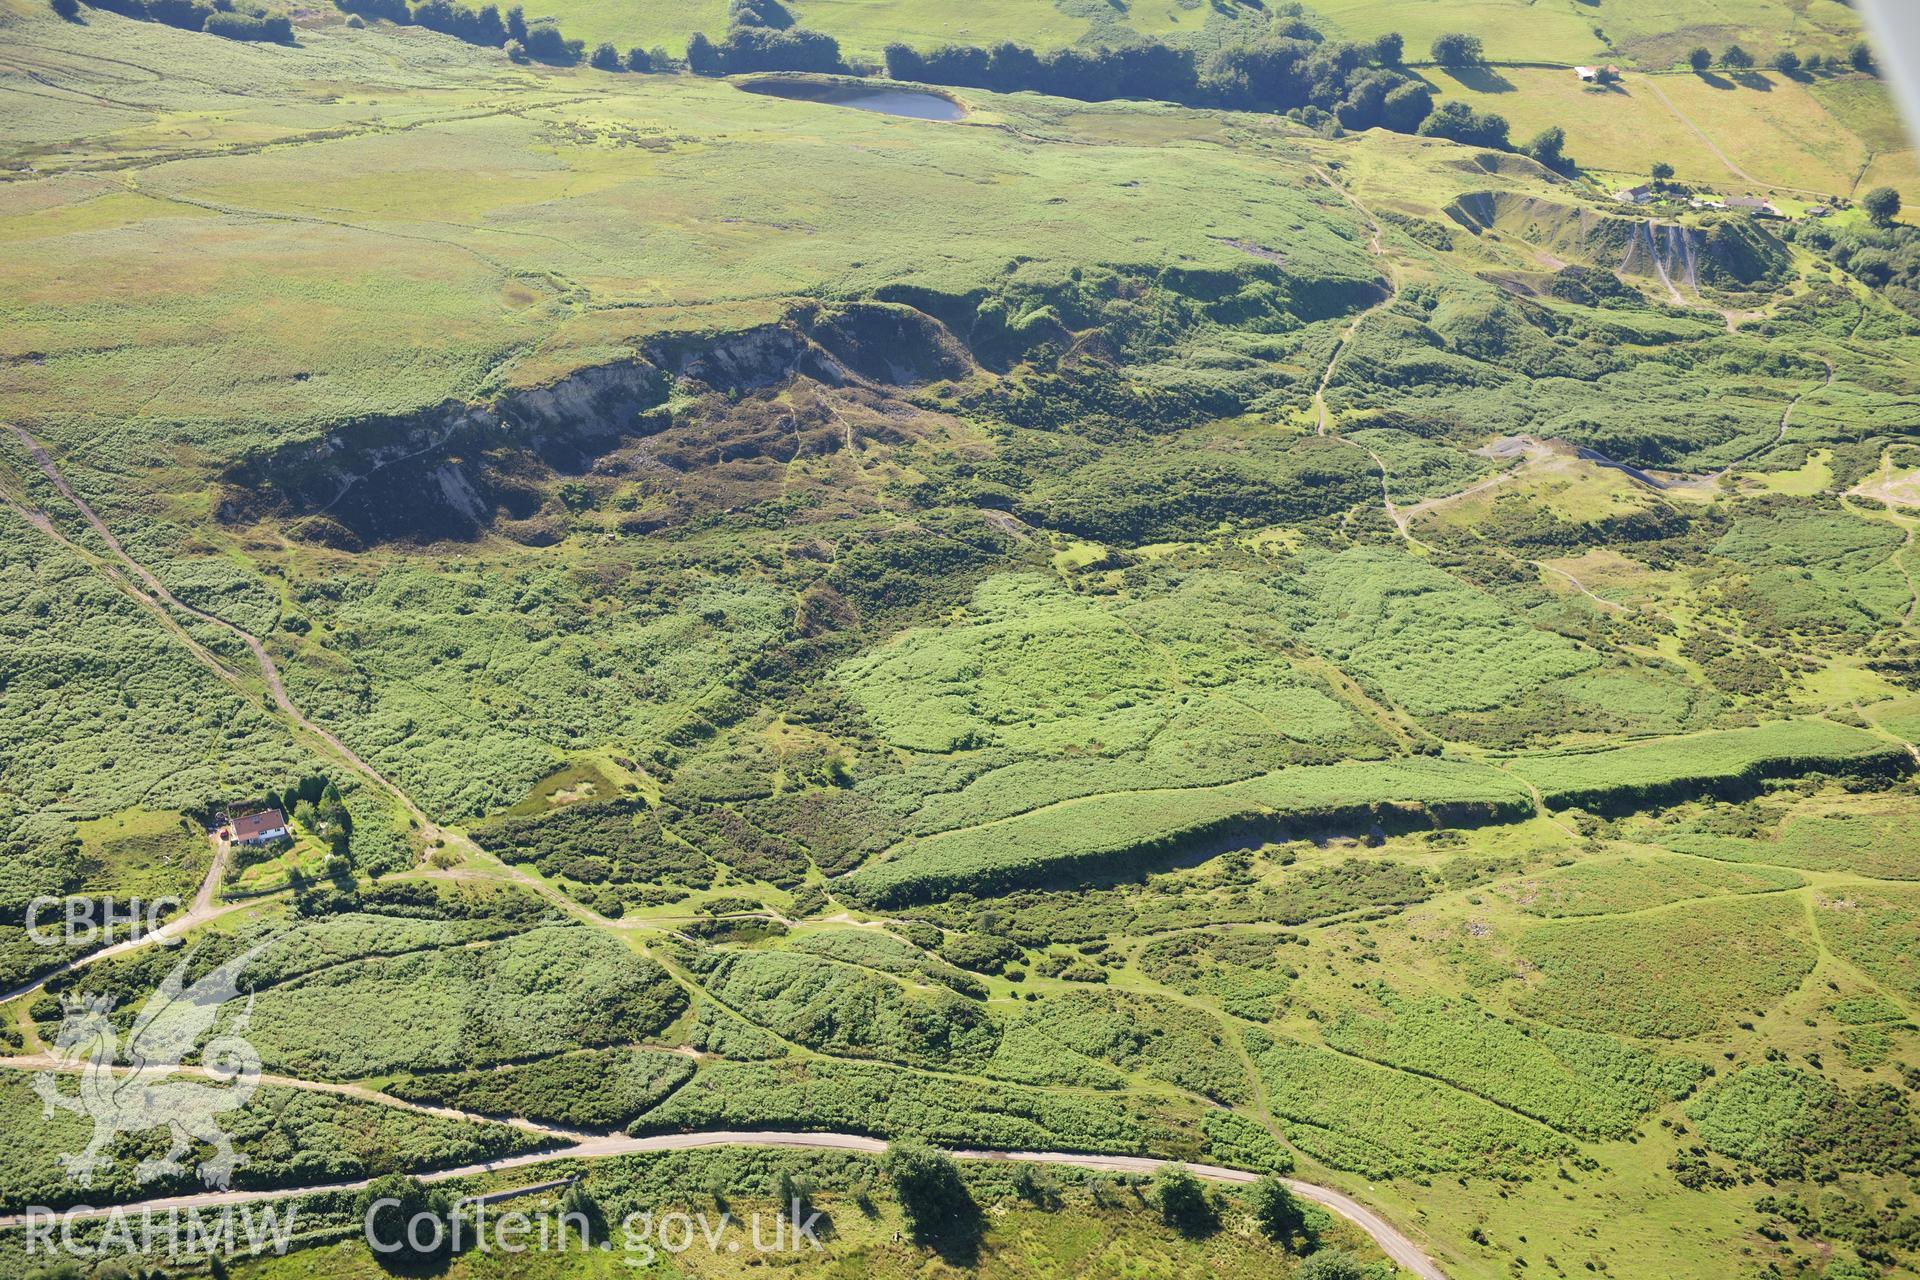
pixel 1882 205
pixel 605 57
pixel 1661 171
pixel 1700 58
pixel 1814 61
pixel 1012 67
pixel 1456 49
pixel 1277 1211
pixel 516 52
pixel 932 1194
pixel 795 1195
pixel 1736 57
pixel 1861 56
pixel 639 60
pixel 1331 1264
pixel 406 1219
pixel 1549 148
pixel 581 1214
pixel 702 58
pixel 904 62
pixel 1787 62
pixel 1183 1201
pixel 68 9
pixel 1874 266
pixel 1389 49
pixel 1458 121
pixel 1405 106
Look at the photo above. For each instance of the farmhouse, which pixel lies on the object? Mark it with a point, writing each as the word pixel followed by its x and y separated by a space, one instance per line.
pixel 1635 195
pixel 260 828
pixel 1754 205
pixel 1589 75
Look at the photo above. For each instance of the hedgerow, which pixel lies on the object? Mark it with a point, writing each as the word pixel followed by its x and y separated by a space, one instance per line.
pixel 1149 1035
pixel 1669 974
pixel 1631 884
pixel 291 1137
pixel 1125 833
pixel 1875 928
pixel 843 1009
pixel 538 993
pixel 590 842
pixel 1728 762
pixel 891 1102
pixel 1588 1086
pixel 600 1089
pixel 1382 1123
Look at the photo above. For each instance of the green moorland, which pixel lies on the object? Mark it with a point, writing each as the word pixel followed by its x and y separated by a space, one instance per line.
pixel 1564 32
pixel 1110 628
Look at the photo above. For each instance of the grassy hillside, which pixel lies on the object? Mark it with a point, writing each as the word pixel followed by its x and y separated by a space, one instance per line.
pixel 597 214
pixel 1085 627
pixel 1816 133
pixel 1563 32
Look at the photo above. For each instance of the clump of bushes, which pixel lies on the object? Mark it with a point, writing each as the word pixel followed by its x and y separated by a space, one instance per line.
pixel 218 18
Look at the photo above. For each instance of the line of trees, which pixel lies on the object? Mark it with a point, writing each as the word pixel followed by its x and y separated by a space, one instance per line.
pixel 215 17
pixel 1458 50
pixel 487 25
pixel 756 48
pixel 761 37
pixel 1859 57
pixel 606 58
pixel 1286 67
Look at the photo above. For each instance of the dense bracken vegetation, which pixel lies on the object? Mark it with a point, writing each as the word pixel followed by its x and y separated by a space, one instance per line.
pixel 1227 605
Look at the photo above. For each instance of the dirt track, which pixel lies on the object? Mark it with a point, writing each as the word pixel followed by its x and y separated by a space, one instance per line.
pixel 1396 1245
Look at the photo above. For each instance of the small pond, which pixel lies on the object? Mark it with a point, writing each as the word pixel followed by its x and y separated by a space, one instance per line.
pixel 893 102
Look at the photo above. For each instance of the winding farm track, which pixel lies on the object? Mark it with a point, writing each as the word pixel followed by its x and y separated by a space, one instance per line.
pixel 1786 420
pixel 1323 415
pixel 1581 587
pixel 1732 167
pixel 1391 1241
pixel 268 671
pixel 205 906
pixel 1402 1250
pixel 1374 246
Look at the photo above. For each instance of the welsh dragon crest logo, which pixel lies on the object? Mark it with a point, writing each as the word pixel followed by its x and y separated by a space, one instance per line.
pixel 152 1089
